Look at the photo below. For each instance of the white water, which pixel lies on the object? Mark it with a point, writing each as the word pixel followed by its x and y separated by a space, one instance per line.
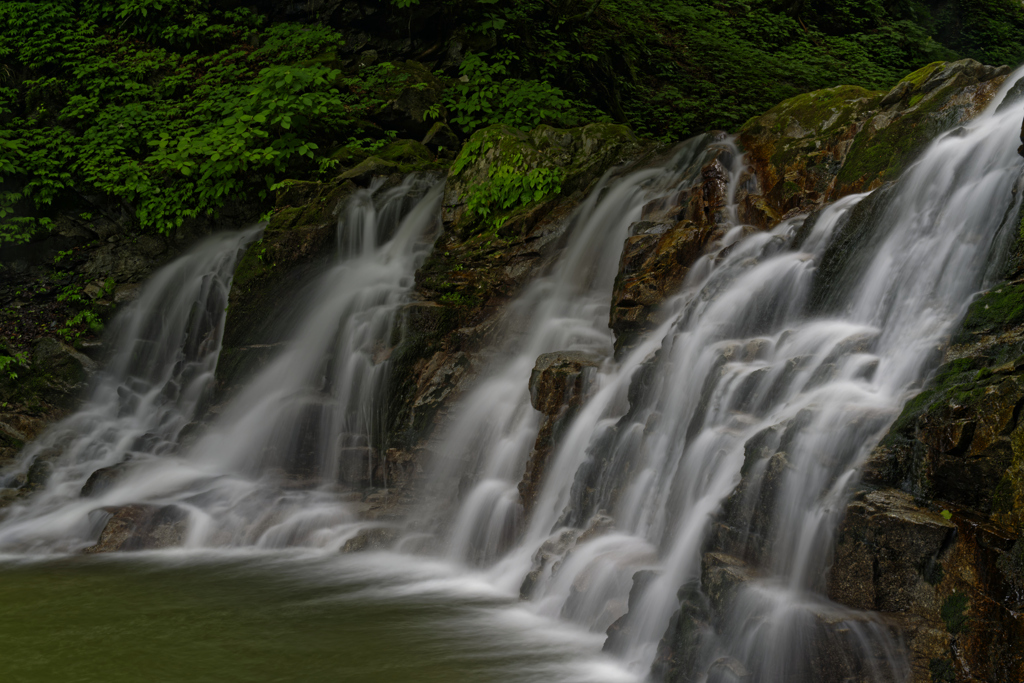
pixel 166 346
pixel 741 355
pixel 266 472
pixel 738 356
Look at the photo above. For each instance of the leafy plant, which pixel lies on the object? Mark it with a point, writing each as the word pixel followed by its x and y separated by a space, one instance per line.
pixel 7 363
pixel 487 94
pixel 509 187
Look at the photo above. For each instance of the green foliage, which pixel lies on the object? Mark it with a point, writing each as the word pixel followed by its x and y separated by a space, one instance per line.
pixel 487 94
pixel 162 106
pixel 511 186
pixel 8 363
pixel 676 68
pixel 171 108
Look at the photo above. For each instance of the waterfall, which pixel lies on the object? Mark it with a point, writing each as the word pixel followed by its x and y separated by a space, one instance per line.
pixel 165 350
pixel 725 444
pixel 264 473
pixel 705 469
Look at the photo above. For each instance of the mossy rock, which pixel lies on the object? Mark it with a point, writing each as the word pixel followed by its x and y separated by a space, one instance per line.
pixel 407 152
pixel 798 146
pixel 580 155
pixel 931 100
pixel 998 309
pixel 52 382
pixel 823 145
pixel 961 439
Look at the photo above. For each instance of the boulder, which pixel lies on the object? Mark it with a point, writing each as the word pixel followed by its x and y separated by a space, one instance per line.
pixel 103 479
pixel 141 527
pixel 440 137
pixel 373 538
pixel 826 144
pixel 559 384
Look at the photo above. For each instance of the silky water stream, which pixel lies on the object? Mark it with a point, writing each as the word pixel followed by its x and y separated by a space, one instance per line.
pixel 801 344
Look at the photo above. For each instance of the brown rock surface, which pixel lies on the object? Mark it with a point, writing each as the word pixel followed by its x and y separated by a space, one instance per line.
pixel 558 386
pixel 141 527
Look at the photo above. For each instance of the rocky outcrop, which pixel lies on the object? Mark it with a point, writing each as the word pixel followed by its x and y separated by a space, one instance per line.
pixel 826 144
pixel 559 385
pixel 485 253
pixel 933 539
pixel 952 450
pixel 141 527
pixel 676 230
pixel 803 153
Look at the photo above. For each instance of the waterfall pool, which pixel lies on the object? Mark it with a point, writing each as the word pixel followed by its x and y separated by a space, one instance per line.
pixel 171 616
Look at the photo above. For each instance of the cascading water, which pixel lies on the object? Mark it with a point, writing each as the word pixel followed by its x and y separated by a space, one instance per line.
pixel 724 444
pixel 166 346
pixel 565 310
pixel 783 361
pixel 264 473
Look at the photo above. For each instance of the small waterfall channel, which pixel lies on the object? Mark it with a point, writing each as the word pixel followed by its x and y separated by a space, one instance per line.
pixel 253 477
pixel 716 451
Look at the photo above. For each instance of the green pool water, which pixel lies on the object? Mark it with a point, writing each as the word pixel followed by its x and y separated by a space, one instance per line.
pixel 152 618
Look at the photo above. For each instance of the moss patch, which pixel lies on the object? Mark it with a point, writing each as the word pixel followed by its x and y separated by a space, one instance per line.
pixel 1001 307
pixel 954 613
pixel 917 78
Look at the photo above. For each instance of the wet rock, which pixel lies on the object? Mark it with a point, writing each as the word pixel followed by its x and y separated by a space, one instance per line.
pixel 298 240
pixel 50 384
pixel 728 670
pixel 655 260
pixel 619 632
pixel 61 364
pixel 103 479
pixel 141 527
pixel 943 583
pixel 559 385
pixel 549 554
pixel 374 538
pixel 41 469
pixel 887 548
pixel 478 265
pixel 678 658
pixel 368 169
pixel 1013 96
pixel 721 576
pixel 1020 150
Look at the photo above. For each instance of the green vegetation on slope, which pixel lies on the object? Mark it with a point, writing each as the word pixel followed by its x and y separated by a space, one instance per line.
pixel 164 110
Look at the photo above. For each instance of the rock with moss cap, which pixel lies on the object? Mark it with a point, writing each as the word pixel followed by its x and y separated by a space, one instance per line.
pixel 498 218
pixel 826 144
